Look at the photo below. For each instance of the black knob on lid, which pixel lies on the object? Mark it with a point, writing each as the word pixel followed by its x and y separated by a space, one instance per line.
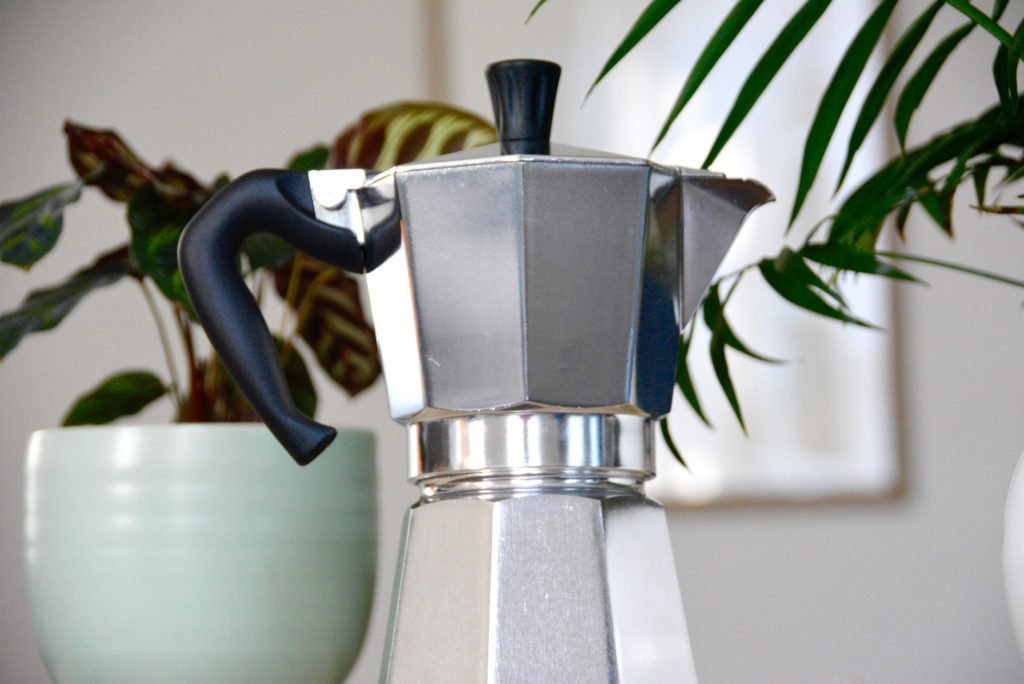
pixel 523 95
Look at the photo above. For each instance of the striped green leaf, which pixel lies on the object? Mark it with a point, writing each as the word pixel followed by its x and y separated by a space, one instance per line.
pixel 44 309
pixel 30 226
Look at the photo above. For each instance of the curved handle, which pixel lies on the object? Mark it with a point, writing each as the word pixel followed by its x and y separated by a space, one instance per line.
pixel 277 202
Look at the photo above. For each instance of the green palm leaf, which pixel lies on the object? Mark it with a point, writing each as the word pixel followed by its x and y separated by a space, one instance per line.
pixel 765 70
pixel 535 8
pixel 879 91
pixel 685 382
pixel 650 17
pixel 983 20
pixel 922 79
pixel 670 443
pixel 1004 69
pixel 904 179
pixel 789 276
pixel 716 47
pixel 837 94
pixel 716 348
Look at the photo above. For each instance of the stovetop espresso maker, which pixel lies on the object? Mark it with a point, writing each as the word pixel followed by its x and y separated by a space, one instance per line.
pixel 528 299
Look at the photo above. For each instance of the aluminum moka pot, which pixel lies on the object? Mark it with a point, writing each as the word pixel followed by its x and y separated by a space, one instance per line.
pixel 528 299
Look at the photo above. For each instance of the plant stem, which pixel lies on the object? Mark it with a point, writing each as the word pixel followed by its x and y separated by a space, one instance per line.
pixel 292 292
pixel 164 343
pixel 193 411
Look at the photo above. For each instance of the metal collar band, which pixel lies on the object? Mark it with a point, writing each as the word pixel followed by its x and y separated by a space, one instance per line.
pixel 532 447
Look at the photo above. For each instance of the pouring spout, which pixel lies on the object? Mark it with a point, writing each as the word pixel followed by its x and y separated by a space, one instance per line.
pixel 713 209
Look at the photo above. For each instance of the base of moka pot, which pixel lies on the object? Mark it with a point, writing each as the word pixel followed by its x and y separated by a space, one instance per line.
pixel 533 555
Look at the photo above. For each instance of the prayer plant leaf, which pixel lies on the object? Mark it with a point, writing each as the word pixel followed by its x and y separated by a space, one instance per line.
pixel 30 226
pixel 101 158
pixel 120 395
pixel 263 250
pixel 156 224
pixel 296 375
pixel 787 276
pixel 720 41
pixel 648 19
pixel 406 132
pixel 326 299
pixel 834 100
pixel 330 320
pixel 685 382
pixel 44 309
pixel 875 99
pixel 849 258
pixel 919 83
pixel 765 70
pixel 313 159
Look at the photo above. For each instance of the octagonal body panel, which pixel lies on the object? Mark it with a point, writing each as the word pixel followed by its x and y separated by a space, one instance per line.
pixel 538 588
pixel 530 282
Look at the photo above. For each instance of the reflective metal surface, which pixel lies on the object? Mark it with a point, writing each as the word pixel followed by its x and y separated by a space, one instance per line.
pixel 538 588
pixel 529 443
pixel 528 310
pixel 544 283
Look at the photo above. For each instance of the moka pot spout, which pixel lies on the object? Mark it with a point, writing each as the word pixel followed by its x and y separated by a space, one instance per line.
pixel 713 210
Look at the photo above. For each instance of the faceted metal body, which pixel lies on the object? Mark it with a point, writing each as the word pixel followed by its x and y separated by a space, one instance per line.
pixel 537 572
pixel 546 283
pixel 528 311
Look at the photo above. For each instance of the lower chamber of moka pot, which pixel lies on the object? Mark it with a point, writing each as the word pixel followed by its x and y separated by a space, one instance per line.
pixel 534 555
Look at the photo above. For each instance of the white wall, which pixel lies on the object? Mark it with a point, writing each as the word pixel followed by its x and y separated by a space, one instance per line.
pixel 903 591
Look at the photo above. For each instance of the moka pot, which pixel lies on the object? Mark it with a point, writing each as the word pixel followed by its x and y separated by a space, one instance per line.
pixel 528 299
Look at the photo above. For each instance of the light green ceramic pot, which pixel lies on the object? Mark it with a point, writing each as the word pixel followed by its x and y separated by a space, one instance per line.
pixel 198 553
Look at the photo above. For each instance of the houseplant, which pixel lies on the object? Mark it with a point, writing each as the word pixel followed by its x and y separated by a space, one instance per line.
pixel 984 153
pixel 198 552
pixel 326 313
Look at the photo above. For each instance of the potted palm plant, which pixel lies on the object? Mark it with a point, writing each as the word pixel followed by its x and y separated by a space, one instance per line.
pixel 979 161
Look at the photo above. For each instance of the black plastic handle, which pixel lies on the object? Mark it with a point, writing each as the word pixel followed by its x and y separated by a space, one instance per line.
pixel 523 97
pixel 268 201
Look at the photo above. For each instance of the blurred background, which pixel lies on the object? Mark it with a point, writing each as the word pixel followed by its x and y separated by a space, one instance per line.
pixel 911 435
